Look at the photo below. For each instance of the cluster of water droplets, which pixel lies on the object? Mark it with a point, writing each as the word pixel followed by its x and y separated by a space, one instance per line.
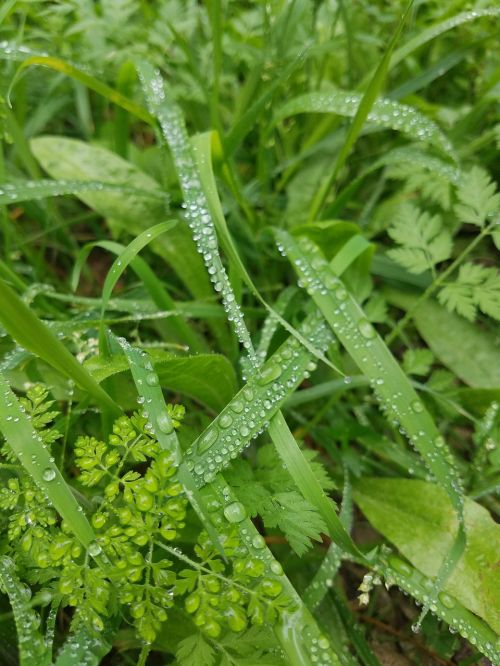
pixel 249 412
pixel 195 203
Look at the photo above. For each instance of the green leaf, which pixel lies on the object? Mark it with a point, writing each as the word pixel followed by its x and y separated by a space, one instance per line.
pixel 195 650
pixel 424 241
pixel 208 378
pixel 419 519
pixel 70 158
pixel 418 361
pixel 476 288
pixel 478 198
pixel 470 352
pixel 81 647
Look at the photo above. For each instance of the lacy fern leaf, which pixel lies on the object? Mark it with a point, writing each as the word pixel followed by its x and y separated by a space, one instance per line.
pixel 477 196
pixel 476 288
pixel 423 240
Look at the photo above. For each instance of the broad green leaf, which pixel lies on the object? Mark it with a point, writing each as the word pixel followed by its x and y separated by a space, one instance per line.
pixel 419 519
pixel 30 332
pixel 469 351
pixel 207 378
pixel 384 113
pixel 19 433
pixel 70 158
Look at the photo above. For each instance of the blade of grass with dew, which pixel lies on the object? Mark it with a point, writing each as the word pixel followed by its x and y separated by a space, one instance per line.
pixel 204 232
pixel 17 192
pixel 384 113
pixel 433 31
pixel 82 648
pixel 202 145
pixel 254 409
pixel 33 651
pixel 298 632
pixel 30 332
pixel 392 388
pixel 365 106
pixel 155 288
pixel 197 212
pixel 398 571
pixel 120 264
pixel 160 423
pixel 28 447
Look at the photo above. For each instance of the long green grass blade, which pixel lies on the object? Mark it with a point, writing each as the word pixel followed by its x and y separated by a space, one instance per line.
pixel 383 113
pixel 11 193
pixel 394 392
pixel 33 651
pixel 82 648
pixel 159 295
pixel 30 332
pixel 363 109
pixel 120 264
pixel 35 458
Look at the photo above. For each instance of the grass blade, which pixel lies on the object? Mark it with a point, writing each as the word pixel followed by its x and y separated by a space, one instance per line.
pixel 27 445
pixel 30 332
pixel 121 263
pixel 393 390
pixel 80 647
pixel 365 105
pixel 383 113
pixel 33 651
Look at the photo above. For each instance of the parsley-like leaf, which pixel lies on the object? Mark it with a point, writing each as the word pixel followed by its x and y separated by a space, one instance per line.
pixel 476 288
pixel 477 197
pixel 195 650
pixel 424 242
pixel 417 361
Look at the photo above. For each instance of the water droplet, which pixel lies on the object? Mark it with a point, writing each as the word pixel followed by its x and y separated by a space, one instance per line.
pixel 417 406
pixel 94 549
pixel 258 541
pixel 225 420
pixel 276 568
pixel 207 440
pixel 237 406
pixel 446 600
pixel 165 423
pixel 152 379
pixel 366 329
pixel 341 294
pixel 49 474
pixel 400 565
pixel 269 374
pixel 235 512
pixel 248 393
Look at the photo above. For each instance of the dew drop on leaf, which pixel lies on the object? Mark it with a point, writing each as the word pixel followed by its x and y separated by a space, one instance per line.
pixel 235 512
pixel 48 474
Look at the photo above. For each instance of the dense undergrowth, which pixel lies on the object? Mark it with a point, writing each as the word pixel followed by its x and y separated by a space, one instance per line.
pixel 249 305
